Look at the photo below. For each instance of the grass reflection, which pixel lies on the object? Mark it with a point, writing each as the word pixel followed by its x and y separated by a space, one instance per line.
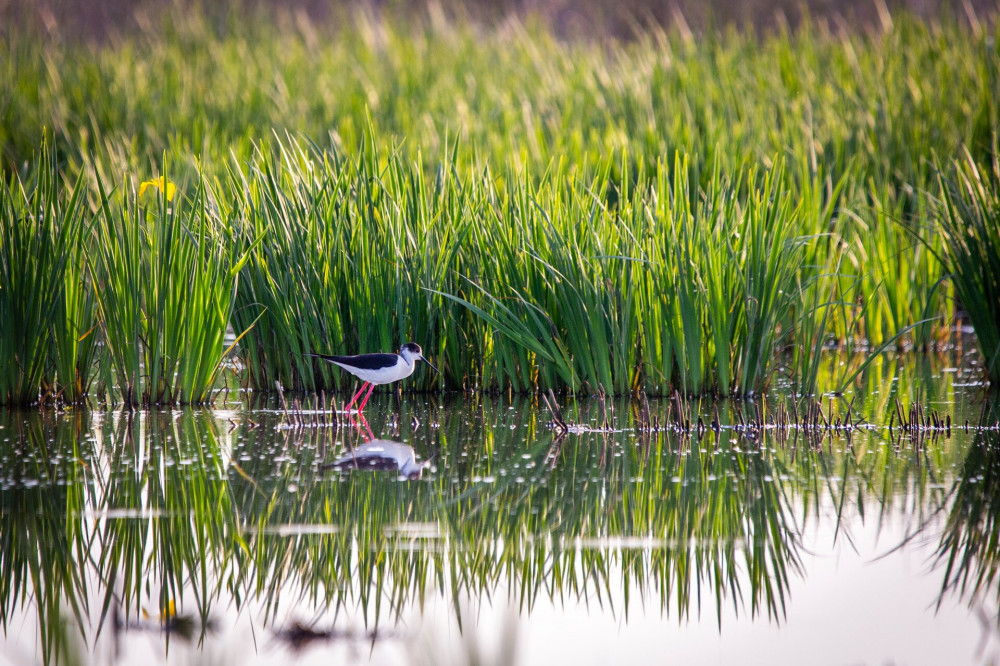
pixel 165 525
pixel 171 519
pixel 42 544
pixel 970 545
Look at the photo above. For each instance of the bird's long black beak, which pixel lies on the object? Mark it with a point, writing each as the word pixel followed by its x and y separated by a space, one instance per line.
pixel 422 358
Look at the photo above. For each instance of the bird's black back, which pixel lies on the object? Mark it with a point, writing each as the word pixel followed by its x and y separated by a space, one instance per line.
pixel 361 361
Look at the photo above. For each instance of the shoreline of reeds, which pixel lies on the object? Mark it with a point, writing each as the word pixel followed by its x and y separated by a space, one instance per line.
pixel 305 250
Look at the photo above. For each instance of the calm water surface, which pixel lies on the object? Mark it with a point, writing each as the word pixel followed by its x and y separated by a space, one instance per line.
pixel 222 536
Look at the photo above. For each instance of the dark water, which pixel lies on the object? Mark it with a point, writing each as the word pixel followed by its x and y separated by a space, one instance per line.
pixel 219 536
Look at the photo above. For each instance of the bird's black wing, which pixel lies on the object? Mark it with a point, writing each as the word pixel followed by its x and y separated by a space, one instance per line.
pixel 362 361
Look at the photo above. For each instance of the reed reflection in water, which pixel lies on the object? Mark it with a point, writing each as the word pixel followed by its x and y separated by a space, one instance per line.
pixel 207 531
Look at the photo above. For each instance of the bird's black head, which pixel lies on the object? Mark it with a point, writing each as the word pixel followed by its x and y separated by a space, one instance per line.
pixel 411 349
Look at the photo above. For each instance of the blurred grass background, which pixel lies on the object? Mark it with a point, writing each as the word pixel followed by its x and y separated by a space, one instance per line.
pixel 101 19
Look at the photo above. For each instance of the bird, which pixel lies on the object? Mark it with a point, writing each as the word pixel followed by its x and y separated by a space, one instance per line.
pixel 375 369
pixel 382 454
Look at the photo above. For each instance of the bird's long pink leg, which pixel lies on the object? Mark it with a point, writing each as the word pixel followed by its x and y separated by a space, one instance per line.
pixel 361 420
pixel 355 398
pixel 365 401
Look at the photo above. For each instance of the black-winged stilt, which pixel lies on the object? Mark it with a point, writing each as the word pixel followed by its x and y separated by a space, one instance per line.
pixel 375 369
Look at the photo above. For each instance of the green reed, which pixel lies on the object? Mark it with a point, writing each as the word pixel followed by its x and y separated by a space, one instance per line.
pixel 722 271
pixel 514 92
pixel 45 303
pixel 903 277
pixel 614 281
pixel 970 223
pixel 535 212
pixel 813 313
pixel 75 328
pixel 166 287
pixel 769 258
pixel 552 275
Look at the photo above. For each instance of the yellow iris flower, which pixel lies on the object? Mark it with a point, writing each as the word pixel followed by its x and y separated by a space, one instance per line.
pixel 162 184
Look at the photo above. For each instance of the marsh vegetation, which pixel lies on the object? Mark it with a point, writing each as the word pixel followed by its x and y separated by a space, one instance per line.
pixel 664 213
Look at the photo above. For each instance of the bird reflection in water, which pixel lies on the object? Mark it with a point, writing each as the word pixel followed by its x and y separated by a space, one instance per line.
pixel 382 454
